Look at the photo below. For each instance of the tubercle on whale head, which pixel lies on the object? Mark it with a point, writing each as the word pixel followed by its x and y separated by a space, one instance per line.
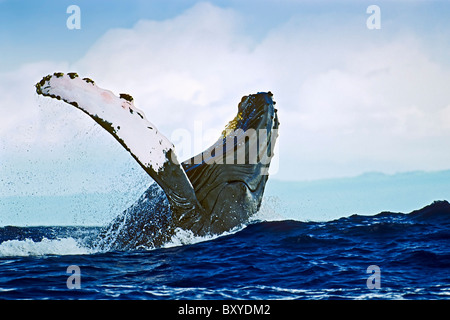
pixel 257 109
pixel 261 102
pixel 250 108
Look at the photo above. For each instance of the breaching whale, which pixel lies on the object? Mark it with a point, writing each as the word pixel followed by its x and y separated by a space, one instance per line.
pixel 213 192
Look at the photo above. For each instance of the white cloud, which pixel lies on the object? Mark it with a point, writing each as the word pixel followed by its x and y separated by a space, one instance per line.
pixel 350 100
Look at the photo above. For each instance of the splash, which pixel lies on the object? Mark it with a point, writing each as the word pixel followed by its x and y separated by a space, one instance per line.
pixel 29 247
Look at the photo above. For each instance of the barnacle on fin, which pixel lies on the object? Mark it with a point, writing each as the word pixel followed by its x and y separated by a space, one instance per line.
pixel 126 96
pixel 41 83
pixel 72 75
pixel 89 80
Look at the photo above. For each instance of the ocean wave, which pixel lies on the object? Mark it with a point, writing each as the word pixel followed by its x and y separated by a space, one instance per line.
pixel 281 259
pixel 29 247
pixel 267 226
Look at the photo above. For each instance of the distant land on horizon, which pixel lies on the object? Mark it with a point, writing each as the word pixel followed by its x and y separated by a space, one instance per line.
pixel 315 200
pixel 366 194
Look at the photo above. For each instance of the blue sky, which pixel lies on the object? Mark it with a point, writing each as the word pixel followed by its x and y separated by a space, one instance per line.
pixel 41 26
pixel 33 31
pixel 350 100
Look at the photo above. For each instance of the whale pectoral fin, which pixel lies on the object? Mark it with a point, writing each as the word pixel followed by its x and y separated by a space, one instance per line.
pixel 129 126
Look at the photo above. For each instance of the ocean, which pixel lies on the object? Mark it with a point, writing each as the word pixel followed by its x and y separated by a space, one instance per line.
pixel 383 256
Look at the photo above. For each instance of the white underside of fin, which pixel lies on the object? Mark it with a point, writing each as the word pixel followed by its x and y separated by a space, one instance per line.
pixel 128 124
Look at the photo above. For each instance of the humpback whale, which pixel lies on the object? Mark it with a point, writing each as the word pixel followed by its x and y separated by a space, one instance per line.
pixel 210 193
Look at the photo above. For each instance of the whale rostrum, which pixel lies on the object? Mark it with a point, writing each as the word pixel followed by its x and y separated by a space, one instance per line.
pixel 210 193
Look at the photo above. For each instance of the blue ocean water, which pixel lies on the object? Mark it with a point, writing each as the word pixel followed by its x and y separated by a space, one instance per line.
pixel 283 259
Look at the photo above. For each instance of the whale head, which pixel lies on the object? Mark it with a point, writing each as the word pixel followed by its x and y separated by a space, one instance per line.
pixel 229 182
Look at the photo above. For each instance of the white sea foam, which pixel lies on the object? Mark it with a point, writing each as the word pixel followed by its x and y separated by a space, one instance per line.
pixel 269 211
pixel 184 237
pixel 28 247
pixel 70 246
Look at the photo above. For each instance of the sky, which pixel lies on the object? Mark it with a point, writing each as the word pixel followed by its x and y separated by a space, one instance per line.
pixel 350 99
